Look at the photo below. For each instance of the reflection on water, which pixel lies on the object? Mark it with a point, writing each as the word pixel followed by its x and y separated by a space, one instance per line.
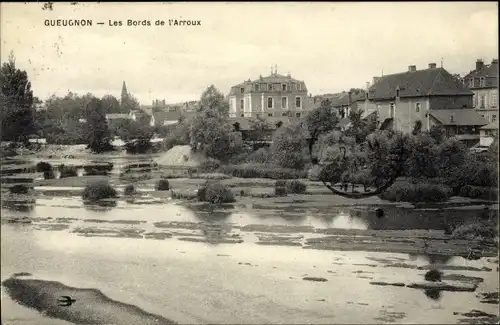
pixel 19 205
pixel 433 294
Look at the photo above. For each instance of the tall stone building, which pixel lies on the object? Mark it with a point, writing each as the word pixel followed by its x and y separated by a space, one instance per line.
pixel 483 81
pixel 273 96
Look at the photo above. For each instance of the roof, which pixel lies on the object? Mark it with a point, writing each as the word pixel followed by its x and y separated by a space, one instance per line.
pixel 460 117
pixel 117 116
pixel 491 126
pixel 162 116
pixel 273 78
pixel 245 122
pixel 343 99
pixel 488 70
pixel 427 82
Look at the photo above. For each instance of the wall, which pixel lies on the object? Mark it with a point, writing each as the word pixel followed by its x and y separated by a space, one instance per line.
pixel 490 109
pixel 253 104
pixel 486 138
pixel 405 112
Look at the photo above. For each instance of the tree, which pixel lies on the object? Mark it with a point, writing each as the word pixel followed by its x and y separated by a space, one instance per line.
pixel 129 103
pixel 17 109
pixel 360 128
pixel 98 134
pixel 320 121
pixel 288 144
pixel 437 132
pixel 110 104
pixel 210 133
pixel 260 128
pixel 213 100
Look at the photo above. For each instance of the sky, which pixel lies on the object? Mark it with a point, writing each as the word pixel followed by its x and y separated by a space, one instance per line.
pixel 331 46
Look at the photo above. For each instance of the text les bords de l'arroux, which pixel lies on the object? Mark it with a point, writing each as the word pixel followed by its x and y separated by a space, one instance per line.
pixel 118 23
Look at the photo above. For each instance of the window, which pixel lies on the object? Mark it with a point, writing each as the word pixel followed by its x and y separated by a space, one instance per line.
pixel 284 114
pixel 269 87
pixel 269 102
pixel 482 81
pixel 298 102
pixel 417 107
pixel 242 90
pixel 392 110
pixel 481 101
pixel 242 104
pixel 494 99
pixel 493 118
pixel 284 103
pixel 474 100
pixel 283 87
pixel 471 82
pixel 299 86
pixel 257 87
pixel 297 114
pixel 397 92
pixel 270 114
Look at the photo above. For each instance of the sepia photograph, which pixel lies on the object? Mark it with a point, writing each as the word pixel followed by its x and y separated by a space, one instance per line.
pixel 249 163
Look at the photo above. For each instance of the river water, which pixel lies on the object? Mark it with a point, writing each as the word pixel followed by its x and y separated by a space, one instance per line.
pixel 237 282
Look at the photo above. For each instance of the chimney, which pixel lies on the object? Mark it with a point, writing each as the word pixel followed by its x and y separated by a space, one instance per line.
pixel 289 75
pixel 479 64
pixel 349 99
pixel 412 68
pixel 494 61
pixel 432 65
pixel 367 86
pixel 163 102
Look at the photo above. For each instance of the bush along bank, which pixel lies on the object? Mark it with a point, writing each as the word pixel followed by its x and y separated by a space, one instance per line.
pixel 416 193
pixel 262 171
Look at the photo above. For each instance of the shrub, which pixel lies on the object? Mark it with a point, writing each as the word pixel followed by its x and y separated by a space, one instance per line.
pixel 98 191
pixel 414 193
pixel 296 187
pixel 481 230
pixel 43 167
pixel 262 171
pixel 67 171
pixel 95 172
pixel 19 189
pixel 184 195
pixel 215 192
pixel 280 188
pixel 129 190
pixel 260 156
pixel 97 169
pixel 163 185
pixel 477 192
pixel 210 165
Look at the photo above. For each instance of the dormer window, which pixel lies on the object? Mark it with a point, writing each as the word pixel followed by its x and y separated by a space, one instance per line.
pixel 397 92
pixel 242 90
pixel 257 87
pixel 270 87
pixel 283 87
pixel 471 82
pixel 299 86
pixel 482 82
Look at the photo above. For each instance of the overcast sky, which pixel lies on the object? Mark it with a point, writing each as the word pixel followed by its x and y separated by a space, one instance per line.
pixel 331 46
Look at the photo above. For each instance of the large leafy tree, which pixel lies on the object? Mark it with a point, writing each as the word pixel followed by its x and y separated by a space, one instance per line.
pixel 213 100
pixel 210 130
pixel 16 103
pixel 320 121
pixel 110 104
pixel 260 129
pixel 98 134
pixel 288 144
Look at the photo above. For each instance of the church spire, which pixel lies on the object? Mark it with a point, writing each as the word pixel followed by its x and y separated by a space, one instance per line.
pixel 124 94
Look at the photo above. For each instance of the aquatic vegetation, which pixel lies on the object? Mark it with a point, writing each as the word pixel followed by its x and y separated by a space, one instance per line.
pixel 129 190
pixel 280 188
pixel 98 191
pixel 215 192
pixel 433 275
pixel 43 166
pixel 295 186
pixel 484 231
pixel 19 189
pixel 163 185
pixel 67 171
pixel 262 171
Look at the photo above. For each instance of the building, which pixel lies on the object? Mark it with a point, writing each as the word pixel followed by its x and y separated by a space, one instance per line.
pixel 483 81
pixel 163 118
pixel 488 133
pixel 272 96
pixel 402 99
pixel 461 124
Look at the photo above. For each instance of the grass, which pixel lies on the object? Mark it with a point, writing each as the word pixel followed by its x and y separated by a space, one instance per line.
pixel 262 171
pixel 99 190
